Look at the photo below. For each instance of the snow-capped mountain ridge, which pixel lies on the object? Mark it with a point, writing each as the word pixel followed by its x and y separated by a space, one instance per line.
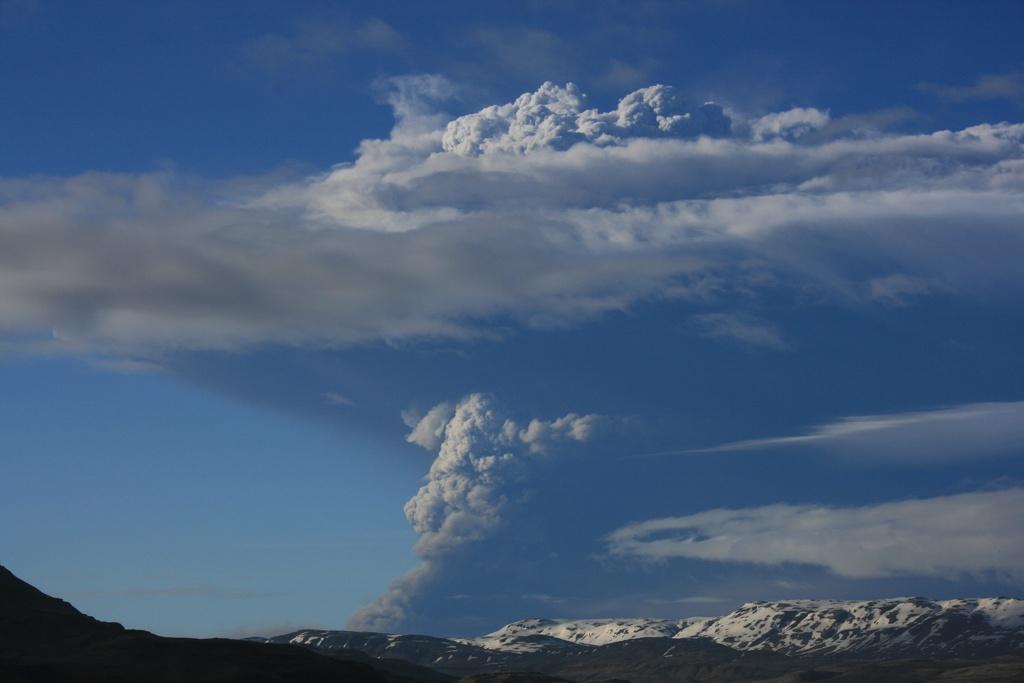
pixel 963 627
pixel 581 631
pixel 865 629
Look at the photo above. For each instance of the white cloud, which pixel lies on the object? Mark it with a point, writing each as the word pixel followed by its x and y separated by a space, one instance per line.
pixel 428 430
pixel 464 495
pixel 789 125
pixel 470 487
pixel 413 241
pixel 414 100
pixel 555 118
pixel 337 399
pixel 948 536
pixel 539 435
pixel 899 290
pixel 481 452
pixel 973 430
pixel 742 329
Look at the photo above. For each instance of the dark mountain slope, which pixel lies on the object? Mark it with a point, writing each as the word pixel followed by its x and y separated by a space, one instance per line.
pixel 46 640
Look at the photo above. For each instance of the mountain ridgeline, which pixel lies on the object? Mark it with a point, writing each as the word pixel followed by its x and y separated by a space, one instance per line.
pixel 46 640
pixel 758 641
pixel 896 627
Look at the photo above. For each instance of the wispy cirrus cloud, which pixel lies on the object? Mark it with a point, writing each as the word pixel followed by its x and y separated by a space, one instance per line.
pixel 313 42
pixel 688 600
pixel 338 399
pixel 947 536
pixel 1005 86
pixel 972 430
pixel 742 329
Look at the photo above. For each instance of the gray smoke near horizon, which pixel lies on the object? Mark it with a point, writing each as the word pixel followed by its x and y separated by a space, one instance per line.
pixel 482 454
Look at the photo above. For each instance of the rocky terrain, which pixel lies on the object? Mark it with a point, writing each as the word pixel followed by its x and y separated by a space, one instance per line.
pixel 46 640
pixel 905 638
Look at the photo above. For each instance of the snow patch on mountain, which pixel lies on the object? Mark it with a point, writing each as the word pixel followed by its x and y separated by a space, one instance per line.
pixel 897 627
pixel 580 631
pixel 966 627
pixel 962 626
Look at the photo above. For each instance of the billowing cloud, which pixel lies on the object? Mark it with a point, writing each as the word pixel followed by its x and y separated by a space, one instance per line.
pixel 555 118
pixel 482 451
pixel 471 487
pixel 539 435
pixel 428 430
pixel 947 536
pixel 973 430
pixel 542 211
pixel 464 495
pixel 789 125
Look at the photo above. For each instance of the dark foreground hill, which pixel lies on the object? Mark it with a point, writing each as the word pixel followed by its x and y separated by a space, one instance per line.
pixel 46 640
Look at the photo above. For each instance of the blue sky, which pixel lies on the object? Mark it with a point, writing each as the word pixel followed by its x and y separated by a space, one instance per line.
pixel 306 320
